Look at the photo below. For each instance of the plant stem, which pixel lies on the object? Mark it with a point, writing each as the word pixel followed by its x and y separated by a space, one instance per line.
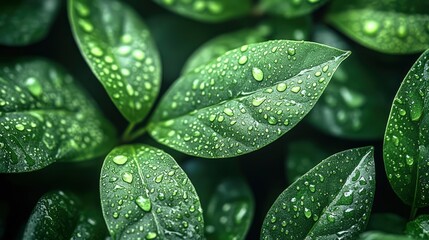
pixel 413 212
pixel 127 132
pixel 137 133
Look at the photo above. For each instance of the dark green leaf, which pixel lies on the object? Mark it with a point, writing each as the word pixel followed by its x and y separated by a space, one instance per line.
pixel 26 21
pixel 419 227
pixel 406 141
pixel 245 99
pixel 388 26
pixel 145 194
pixel 210 11
pixel 353 105
pixel 331 201
pixel 290 29
pixel 387 223
pixel 302 156
pixel 45 117
pixel 57 215
pixel 118 47
pixel 375 235
pixel 291 8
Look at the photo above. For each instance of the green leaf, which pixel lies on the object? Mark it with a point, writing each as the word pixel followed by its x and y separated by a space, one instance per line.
pixel 406 140
pixel 222 44
pixel 45 117
pixel 291 8
pixel 375 235
pixel 298 28
pixel 26 21
pixel 208 11
pixel 387 223
pixel 118 47
pixel 302 156
pixel 388 26
pixel 331 201
pixel 226 198
pixel 353 105
pixel 419 227
pixel 145 194
pixel 245 99
pixel 57 215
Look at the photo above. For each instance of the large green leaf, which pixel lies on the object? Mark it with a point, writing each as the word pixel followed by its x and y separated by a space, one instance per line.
pixel 387 223
pixel 406 140
pixel 26 21
pixel 210 11
pixel 389 26
pixel 291 8
pixel 245 99
pixel 375 235
pixel 419 227
pixel 145 194
pixel 118 47
pixel 57 215
pixel 353 105
pixel 331 201
pixel 45 117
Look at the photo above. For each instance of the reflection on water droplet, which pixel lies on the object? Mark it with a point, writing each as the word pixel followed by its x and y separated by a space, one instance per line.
pixel 371 27
pixel 258 101
pixel 144 203
pixel 127 177
pixel 151 235
pixel 409 160
pixel 242 60
pixel 120 159
pixel 257 74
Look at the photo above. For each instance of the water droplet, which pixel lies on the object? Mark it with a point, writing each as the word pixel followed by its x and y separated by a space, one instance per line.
pixel 281 87
pixel 296 89
pixel 307 212
pixel 257 74
pixel 331 218
pixel 159 178
pixel 312 188
pixel 272 120
pixel 395 140
pixel 409 160
pixel 19 127
pixel 144 203
pixel 286 122
pixel 402 112
pixel 96 51
pixel 138 54
pixel 258 101
pixel 151 235
pixel 85 25
pixel 371 27
pixel 212 117
pixel 402 31
pixel 120 159
pixel 34 86
pixel 130 90
pixel 115 215
pixel 228 111
pixel 242 60
pixel 416 110
pixel 291 51
pixel 82 10
pixel 127 177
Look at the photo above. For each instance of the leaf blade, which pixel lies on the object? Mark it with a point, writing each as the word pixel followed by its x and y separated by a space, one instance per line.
pixel 291 8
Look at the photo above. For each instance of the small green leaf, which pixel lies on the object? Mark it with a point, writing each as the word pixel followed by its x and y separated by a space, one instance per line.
pixel 388 26
pixel 331 201
pixel 26 21
pixel 222 44
pixel 245 99
pixel 45 117
pixel 375 235
pixel 291 8
pixel 387 223
pixel 118 47
pixel 208 11
pixel 145 194
pixel 353 105
pixel 57 215
pixel 419 227
pixel 406 141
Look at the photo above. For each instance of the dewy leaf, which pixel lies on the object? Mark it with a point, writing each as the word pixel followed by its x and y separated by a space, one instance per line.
pixel 245 99
pixel 406 141
pixel 375 235
pixel 26 21
pixel 45 117
pixel 353 105
pixel 57 215
pixel 331 201
pixel 419 227
pixel 119 49
pixel 388 26
pixel 291 8
pixel 209 11
pixel 145 194
pixel 223 43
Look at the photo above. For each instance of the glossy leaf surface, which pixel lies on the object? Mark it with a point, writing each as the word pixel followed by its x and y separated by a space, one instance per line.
pixel 331 201
pixel 118 47
pixel 419 227
pixel 45 117
pixel 291 8
pixel 396 27
pixel 27 21
pixel 406 140
pixel 210 11
pixel 375 235
pixel 245 99
pixel 145 194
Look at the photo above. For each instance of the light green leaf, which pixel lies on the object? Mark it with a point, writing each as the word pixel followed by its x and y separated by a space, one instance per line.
pixel 245 99
pixel 57 215
pixel 331 201
pixel 45 117
pixel 118 47
pixel 26 21
pixel 419 227
pixel 406 141
pixel 387 223
pixel 291 8
pixel 208 11
pixel 145 194
pixel 375 235
pixel 353 105
pixel 388 26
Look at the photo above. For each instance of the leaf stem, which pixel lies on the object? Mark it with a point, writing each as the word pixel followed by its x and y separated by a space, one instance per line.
pixel 127 132
pixel 140 132
pixel 413 212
